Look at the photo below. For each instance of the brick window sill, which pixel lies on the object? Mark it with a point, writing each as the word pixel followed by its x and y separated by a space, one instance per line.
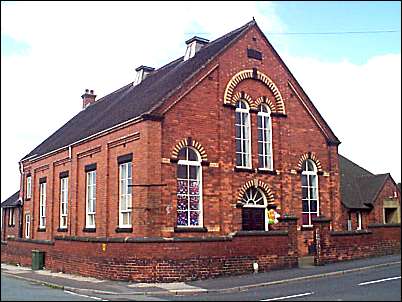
pixel 242 169
pixel 89 230
pixel 124 230
pixel 266 171
pixel 189 230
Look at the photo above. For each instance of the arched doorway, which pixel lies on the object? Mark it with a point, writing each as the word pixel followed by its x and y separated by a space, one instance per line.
pixel 254 210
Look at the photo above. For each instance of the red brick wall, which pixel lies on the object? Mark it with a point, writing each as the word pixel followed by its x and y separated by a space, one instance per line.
pixel 162 261
pixel 377 240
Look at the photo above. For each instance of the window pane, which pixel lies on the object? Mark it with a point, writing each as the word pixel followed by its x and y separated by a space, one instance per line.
pixel 238 118
pixel 239 159
pixel 182 187
pixel 305 206
pixel 194 217
pixel 304 180
pixel 193 172
pixel 194 202
pixel 194 188
pixel 259 121
pixel 312 180
pixel 313 205
pixel 182 154
pixel 261 161
pixel 313 193
pixel 304 193
pixel 260 148
pixel 182 171
pixel 238 145
pixel 182 218
pixel 182 203
pixel 192 155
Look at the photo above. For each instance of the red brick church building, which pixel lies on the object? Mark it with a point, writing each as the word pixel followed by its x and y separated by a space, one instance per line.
pixel 202 147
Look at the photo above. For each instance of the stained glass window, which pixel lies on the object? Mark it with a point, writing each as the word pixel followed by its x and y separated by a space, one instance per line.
pixel 189 195
pixel 310 204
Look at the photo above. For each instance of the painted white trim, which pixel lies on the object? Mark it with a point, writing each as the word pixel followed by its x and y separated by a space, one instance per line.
pixel 129 204
pixel 42 205
pixel 63 199
pixel 307 173
pixel 265 128
pixel 29 189
pixel 243 125
pixel 87 213
pixel 27 225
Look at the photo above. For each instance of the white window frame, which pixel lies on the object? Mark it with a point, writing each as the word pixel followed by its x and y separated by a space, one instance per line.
pixel 42 205
pixel 266 155
pixel 306 174
pixel 244 123
pixel 63 202
pixel 27 225
pixel 11 217
pixel 189 163
pixel 250 202
pixel 126 184
pixel 358 220
pixel 29 187
pixel 90 199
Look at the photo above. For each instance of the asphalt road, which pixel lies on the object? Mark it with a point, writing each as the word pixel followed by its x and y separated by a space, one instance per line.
pixel 347 287
pixel 379 284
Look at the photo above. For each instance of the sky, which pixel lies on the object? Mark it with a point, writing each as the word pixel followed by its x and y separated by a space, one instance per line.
pixel 346 55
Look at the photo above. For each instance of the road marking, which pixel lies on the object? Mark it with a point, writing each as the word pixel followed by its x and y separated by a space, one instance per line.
pixel 381 280
pixel 288 297
pixel 75 294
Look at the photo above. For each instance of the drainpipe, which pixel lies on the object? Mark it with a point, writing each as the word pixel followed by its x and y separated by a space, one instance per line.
pixel 21 199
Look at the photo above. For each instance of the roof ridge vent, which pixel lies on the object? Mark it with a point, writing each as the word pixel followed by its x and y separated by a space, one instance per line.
pixel 193 46
pixel 141 73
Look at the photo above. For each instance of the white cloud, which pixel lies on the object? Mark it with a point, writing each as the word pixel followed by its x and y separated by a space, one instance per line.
pixel 79 45
pixel 361 104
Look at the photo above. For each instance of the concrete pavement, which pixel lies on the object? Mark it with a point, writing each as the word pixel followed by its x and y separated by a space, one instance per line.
pixel 87 285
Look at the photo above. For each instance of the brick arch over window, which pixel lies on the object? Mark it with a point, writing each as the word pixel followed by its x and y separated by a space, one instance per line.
pixel 266 100
pixel 245 96
pixel 313 157
pixel 258 184
pixel 257 75
pixel 189 142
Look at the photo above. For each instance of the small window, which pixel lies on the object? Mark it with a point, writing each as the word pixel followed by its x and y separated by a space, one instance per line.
pixel 359 220
pixel 42 205
pixel 91 199
pixel 27 225
pixel 11 217
pixel 125 193
pixel 63 202
pixel 29 187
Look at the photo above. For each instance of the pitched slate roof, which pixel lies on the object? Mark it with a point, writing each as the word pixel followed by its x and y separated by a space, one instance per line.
pixel 12 201
pixel 359 187
pixel 131 101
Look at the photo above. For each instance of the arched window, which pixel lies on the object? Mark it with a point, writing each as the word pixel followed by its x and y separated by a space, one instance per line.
pixel 310 203
pixel 254 210
pixel 243 142
pixel 264 137
pixel 189 189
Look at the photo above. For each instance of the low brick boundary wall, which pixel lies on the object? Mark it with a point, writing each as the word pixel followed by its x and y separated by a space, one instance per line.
pixel 377 240
pixel 161 259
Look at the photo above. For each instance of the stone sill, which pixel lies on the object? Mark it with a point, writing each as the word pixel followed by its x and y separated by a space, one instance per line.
pixel 261 233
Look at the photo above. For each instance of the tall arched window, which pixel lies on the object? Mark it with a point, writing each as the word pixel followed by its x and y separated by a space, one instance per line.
pixel 243 142
pixel 254 210
pixel 189 189
pixel 310 203
pixel 264 137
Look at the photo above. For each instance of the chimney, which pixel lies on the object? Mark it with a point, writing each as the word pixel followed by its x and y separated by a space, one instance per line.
pixel 194 45
pixel 141 73
pixel 88 98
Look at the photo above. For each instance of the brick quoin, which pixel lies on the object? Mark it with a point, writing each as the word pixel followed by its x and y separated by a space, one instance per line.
pixel 195 110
